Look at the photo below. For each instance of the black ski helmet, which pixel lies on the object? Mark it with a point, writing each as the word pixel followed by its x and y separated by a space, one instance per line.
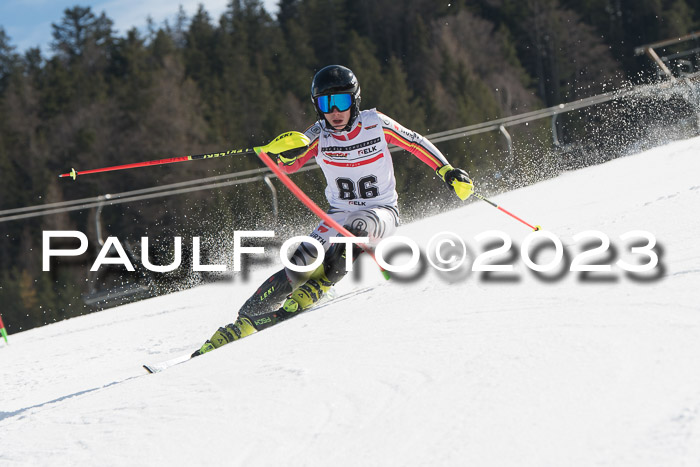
pixel 336 79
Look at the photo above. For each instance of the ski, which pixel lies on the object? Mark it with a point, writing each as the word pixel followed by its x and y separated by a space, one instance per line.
pixel 331 296
pixel 157 367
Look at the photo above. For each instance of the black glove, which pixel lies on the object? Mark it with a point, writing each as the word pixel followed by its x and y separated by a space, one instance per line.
pixel 457 179
pixel 290 156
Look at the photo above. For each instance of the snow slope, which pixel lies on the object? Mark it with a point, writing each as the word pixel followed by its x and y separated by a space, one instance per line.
pixel 437 369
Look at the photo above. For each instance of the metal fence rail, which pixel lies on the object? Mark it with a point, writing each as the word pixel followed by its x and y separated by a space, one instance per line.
pixel 208 183
pixel 264 174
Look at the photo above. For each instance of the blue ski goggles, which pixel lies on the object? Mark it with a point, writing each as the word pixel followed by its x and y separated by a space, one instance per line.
pixel 342 102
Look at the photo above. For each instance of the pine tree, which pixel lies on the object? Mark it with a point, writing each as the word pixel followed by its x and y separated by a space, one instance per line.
pixel 81 34
pixel 9 60
pixel 329 29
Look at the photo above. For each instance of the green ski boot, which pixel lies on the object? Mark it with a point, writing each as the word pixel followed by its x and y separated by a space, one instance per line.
pixel 229 333
pixel 307 294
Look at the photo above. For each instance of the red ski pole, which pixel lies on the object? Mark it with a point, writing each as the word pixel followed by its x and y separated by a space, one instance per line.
pixel 285 141
pixel 308 202
pixel 482 198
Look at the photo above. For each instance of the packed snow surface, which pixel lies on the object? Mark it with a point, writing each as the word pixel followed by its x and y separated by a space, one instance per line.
pixel 429 368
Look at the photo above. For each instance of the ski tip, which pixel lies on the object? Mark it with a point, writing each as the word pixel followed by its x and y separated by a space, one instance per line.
pixel 158 367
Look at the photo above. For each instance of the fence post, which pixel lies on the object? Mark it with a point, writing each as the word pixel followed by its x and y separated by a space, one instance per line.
pixel 652 54
pixel 505 133
pixel 555 131
pixel 275 205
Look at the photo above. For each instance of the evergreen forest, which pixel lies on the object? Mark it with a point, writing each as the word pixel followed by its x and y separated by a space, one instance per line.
pixel 200 84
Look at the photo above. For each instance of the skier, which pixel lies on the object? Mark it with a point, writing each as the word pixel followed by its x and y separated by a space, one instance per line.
pixel 351 147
